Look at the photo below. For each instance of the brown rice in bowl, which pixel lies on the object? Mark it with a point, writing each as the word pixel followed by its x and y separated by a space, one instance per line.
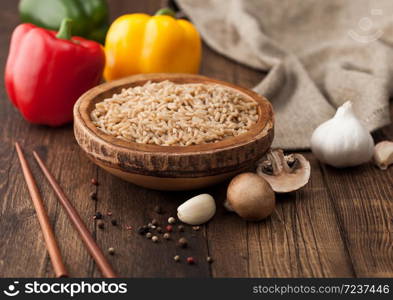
pixel 169 114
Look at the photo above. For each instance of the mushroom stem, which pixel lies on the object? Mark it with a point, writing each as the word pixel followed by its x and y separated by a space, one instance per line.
pixel 277 166
pixel 279 163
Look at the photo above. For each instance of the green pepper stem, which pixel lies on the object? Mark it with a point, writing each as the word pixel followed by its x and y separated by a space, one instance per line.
pixel 166 12
pixel 64 32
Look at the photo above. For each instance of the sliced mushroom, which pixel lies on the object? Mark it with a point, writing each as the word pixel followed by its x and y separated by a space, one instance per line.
pixel 383 154
pixel 285 173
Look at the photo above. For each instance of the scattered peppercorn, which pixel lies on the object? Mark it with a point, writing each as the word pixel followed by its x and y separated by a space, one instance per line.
pixel 109 213
pixel 114 222
pixel 100 224
pixel 93 195
pixel 154 222
pixel 154 239
pixel 157 210
pixel 94 181
pixel 171 220
pixel 169 228
pixel 97 216
pixel 209 259
pixel 111 251
pixel 128 227
pixel 176 257
pixel 167 236
pixel 180 228
pixel 190 260
pixel 149 235
pixel 196 228
pixel 182 242
pixel 159 229
pixel 143 230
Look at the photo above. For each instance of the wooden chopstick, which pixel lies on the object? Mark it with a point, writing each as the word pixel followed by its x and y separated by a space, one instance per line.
pixel 49 236
pixel 76 220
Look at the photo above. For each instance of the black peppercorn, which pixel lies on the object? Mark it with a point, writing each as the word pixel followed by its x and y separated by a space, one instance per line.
pixel 158 210
pixel 143 230
pixel 100 224
pixel 182 242
pixel 93 195
pixel 114 222
pixel 98 216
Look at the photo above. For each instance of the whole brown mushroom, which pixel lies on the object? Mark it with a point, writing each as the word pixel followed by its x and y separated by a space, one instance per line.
pixel 251 197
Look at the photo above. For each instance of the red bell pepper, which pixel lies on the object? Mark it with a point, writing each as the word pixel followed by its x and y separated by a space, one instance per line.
pixel 46 73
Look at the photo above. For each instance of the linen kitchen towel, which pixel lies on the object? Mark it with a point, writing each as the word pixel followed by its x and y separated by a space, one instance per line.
pixel 318 54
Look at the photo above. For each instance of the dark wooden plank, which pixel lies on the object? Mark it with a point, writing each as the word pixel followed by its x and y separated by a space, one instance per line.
pixel 64 161
pixel 73 172
pixel 20 229
pixel 362 198
pixel 299 240
pixel 17 218
pixel 137 256
pixel 122 7
pixel 339 225
pixel 306 233
pixel 304 239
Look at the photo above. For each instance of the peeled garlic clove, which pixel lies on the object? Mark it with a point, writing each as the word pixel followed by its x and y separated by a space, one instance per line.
pixel 342 141
pixel 383 154
pixel 197 210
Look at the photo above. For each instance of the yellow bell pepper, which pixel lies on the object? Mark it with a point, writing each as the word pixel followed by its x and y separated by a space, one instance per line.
pixel 139 43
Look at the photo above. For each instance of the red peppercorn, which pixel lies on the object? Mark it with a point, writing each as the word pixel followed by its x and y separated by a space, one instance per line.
pixel 169 228
pixel 94 181
pixel 190 260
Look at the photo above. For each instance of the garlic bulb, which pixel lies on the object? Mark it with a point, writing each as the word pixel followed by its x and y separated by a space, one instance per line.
pixel 342 141
pixel 197 210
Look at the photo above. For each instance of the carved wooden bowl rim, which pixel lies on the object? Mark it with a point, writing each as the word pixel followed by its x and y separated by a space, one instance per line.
pixel 116 152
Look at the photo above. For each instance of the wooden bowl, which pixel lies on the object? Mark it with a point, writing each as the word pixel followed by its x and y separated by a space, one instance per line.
pixel 171 167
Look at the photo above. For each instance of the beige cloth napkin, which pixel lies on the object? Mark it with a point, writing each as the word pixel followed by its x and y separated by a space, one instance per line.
pixel 318 54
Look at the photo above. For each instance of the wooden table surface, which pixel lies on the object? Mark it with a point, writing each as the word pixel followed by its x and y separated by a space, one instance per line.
pixel 339 225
